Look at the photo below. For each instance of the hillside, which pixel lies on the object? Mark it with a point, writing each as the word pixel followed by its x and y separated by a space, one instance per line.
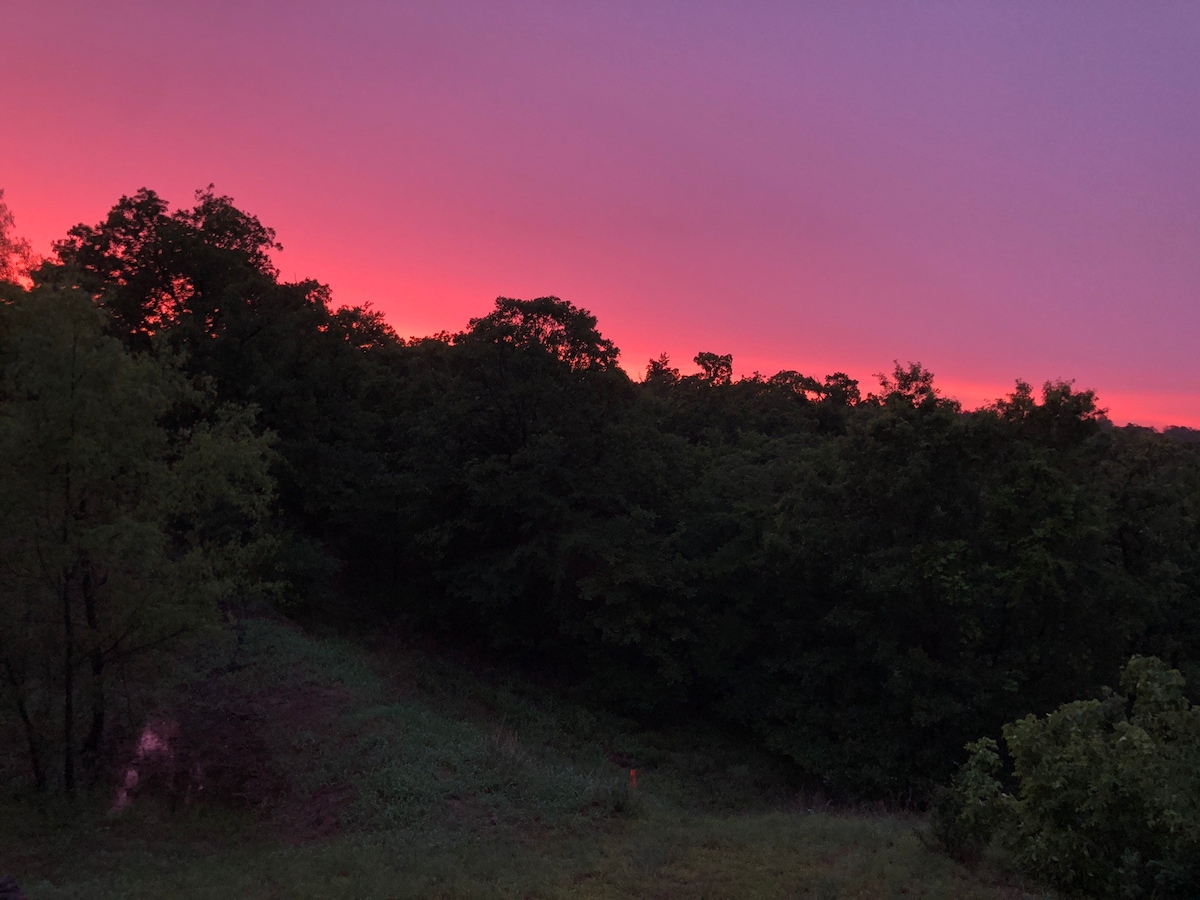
pixel 314 766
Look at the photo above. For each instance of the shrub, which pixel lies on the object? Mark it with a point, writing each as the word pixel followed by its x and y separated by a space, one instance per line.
pixel 1107 796
pixel 966 813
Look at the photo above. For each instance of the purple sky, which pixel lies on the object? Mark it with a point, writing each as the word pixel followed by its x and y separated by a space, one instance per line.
pixel 996 190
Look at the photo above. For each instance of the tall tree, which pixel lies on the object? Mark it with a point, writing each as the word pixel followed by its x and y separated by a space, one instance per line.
pixel 127 511
pixel 199 282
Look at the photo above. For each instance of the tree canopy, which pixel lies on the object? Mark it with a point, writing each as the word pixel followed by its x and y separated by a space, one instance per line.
pixel 862 579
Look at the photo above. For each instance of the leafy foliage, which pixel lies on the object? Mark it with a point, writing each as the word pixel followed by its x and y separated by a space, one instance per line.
pixel 117 529
pixel 863 580
pixel 1108 791
pixel 199 284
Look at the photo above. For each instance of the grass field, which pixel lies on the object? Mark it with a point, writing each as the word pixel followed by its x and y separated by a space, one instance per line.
pixel 337 770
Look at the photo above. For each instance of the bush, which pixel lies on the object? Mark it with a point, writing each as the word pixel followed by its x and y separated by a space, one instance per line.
pixel 1107 796
pixel 965 814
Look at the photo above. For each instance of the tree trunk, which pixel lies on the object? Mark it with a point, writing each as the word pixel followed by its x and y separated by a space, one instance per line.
pixel 35 746
pixel 91 746
pixel 68 689
pixel 68 575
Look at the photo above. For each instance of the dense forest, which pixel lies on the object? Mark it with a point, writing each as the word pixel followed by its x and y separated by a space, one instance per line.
pixel 861 578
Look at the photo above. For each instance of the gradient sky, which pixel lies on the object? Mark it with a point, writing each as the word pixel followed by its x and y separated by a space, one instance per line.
pixel 997 190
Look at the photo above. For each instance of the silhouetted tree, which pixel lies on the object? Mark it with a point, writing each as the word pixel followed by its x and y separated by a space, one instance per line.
pixel 715 369
pixel 16 256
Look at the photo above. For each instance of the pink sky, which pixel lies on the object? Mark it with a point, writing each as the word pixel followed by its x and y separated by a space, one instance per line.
pixel 997 190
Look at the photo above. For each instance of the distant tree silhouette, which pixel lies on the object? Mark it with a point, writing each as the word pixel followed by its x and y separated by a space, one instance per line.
pixel 715 369
pixel 661 372
pixel 16 256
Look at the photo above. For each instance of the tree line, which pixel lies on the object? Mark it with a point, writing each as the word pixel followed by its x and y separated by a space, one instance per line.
pixel 862 579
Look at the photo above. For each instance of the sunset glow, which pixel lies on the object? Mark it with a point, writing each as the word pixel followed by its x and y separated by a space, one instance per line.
pixel 998 191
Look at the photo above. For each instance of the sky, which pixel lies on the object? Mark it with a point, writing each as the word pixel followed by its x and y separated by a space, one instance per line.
pixel 996 190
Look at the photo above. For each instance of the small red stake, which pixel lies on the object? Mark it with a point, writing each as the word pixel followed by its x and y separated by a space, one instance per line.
pixel 633 779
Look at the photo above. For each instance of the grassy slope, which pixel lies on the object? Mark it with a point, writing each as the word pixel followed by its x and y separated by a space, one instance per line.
pixel 394 774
